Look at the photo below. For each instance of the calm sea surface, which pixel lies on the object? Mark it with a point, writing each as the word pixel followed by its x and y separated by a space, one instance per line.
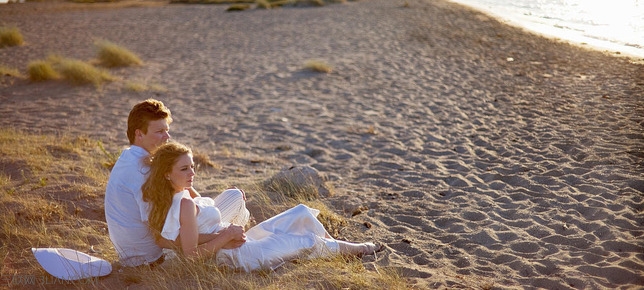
pixel 614 25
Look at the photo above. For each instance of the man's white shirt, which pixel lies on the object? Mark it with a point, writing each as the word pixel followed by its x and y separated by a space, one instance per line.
pixel 126 212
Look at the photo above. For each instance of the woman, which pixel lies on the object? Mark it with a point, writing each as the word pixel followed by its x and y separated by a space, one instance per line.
pixel 178 215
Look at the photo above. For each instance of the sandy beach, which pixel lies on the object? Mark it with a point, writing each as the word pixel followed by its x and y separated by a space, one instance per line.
pixel 474 150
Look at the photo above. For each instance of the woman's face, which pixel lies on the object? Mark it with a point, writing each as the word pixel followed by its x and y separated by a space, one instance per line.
pixel 182 173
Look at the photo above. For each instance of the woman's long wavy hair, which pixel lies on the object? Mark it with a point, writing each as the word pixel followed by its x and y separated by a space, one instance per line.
pixel 157 189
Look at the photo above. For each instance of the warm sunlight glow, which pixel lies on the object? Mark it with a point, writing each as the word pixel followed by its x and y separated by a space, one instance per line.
pixel 616 25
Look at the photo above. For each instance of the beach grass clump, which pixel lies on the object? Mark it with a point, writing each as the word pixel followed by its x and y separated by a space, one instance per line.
pixel 8 71
pixel 263 4
pixel 40 70
pixel 234 2
pixel 284 191
pixel 111 157
pixel 334 272
pixel 340 272
pixel 10 36
pixel 43 176
pixel 363 130
pixel 80 72
pixel 299 192
pixel 333 222
pixel 318 66
pixel 137 86
pixel 238 7
pixel 317 2
pixel 93 1
pixel 33 154
pixel 280 3
pixel 202 161
pixel 59 212
pixel 212 1
pixel 113 55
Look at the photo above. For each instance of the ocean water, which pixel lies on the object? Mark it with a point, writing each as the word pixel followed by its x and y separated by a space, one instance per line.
pixel 609 25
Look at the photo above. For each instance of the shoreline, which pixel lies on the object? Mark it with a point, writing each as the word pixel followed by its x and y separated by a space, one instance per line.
pixel 553 32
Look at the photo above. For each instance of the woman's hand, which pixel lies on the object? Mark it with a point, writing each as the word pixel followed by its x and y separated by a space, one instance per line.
pixel 237 235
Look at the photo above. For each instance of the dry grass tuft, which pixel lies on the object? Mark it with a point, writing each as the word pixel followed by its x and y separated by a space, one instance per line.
pixel 136 86
pixel 39 208
pixel 238 7
pixel 29 159
pixel 7 71
pixel 263 4
pixel 297 192
pixel 332 222
pixel 202 161
pixel 10 36
pixel 260 4
pixel 276 195
pixel 142 87
pixel 338 272
pixel 317 2
pixel 49 197
pixel 41 71
pixel 113 55
pixel 212 1
pixel 234 3
pixel 318 66
pixel 94 1
pixel 80 72
pixel 111 157
pixel 361 130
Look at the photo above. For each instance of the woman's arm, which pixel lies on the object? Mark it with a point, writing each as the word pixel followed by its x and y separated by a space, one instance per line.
pixel 189 233
pixel 168 244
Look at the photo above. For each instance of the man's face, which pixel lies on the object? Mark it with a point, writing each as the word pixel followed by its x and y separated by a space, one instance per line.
pixel 158 133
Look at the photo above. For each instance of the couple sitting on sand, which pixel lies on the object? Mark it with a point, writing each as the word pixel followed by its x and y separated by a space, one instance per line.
pixel 150 204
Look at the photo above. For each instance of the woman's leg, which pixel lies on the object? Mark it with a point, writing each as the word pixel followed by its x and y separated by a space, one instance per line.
pixel 232 206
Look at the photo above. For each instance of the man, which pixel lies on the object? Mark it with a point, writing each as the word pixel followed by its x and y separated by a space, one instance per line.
pixel 148 127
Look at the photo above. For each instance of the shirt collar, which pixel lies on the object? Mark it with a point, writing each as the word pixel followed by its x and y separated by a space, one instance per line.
pixel 139 151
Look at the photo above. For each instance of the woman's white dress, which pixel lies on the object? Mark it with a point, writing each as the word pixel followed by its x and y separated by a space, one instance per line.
pixel 294 233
